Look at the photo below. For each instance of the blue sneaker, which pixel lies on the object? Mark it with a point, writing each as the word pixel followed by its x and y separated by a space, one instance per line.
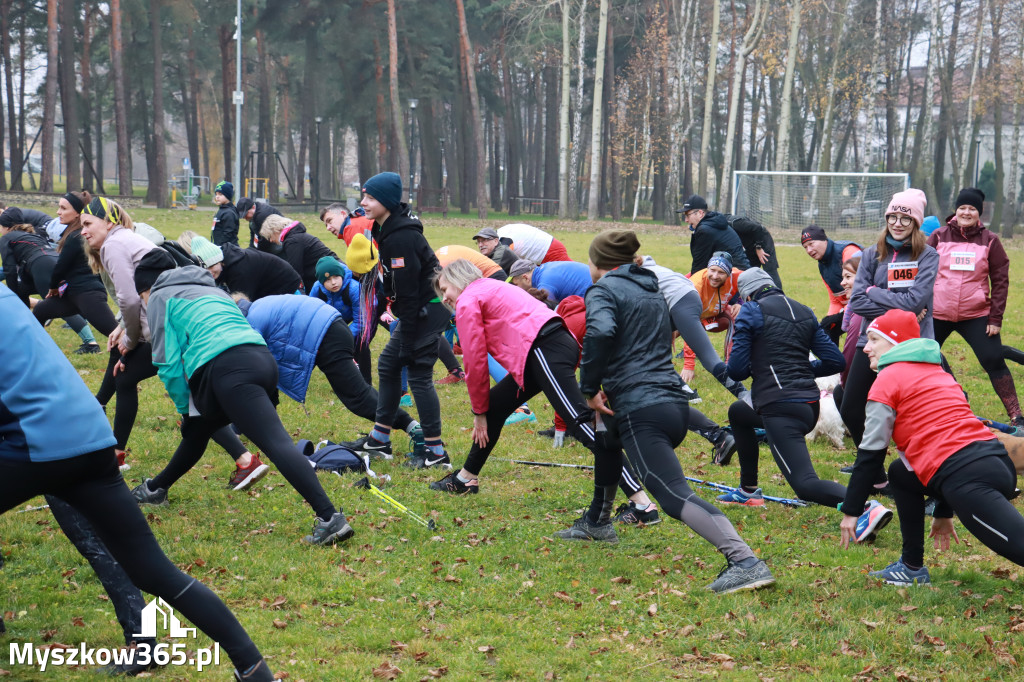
pixel 898 574
pixel 754 499
pixel 874 519
pixel 522 414
pixel 406 400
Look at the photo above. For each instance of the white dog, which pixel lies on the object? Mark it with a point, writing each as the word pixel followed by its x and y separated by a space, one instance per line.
pixel 830 424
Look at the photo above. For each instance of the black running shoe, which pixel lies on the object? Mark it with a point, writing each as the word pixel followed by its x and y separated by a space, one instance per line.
pixel 628 514
pixel 330 532
pixel 429 460
pixel 370 446
pixel 848 469
pixel 725 448
pixel 452 484
pixel 87 349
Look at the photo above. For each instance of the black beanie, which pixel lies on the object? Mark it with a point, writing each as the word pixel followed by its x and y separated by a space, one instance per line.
pixel 386 188
pixel 614 248
pixel 11 217
pixel 243 205
pixel 150 267
pixel 971 196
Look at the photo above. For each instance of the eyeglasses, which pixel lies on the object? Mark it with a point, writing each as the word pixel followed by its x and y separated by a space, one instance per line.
pixel 904 220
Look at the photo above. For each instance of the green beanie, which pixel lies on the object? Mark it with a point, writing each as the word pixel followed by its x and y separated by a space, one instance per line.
pixel 328 266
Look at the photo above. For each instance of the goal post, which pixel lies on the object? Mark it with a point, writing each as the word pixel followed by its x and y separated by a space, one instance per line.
pixel 837 202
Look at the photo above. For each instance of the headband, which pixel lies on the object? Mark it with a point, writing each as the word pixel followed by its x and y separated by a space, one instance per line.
pixel 101 207
pixel 75 202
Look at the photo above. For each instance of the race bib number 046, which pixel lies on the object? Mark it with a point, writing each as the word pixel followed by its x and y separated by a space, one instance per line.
pixel 902 275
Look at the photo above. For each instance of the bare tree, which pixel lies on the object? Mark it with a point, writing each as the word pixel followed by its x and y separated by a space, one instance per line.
pixel 577 117
pixel 396 104
pixel 69 95
pixel 49 98
pixel 786 101
pixel 709 98
pixel 468 60
pixel 157 192
pixel 749 42
pixel 595 125
pixel 563 118
pixel 124 150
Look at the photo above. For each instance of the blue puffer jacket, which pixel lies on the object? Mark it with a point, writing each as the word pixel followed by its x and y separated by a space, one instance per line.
pixel 345 300
pixel 293 327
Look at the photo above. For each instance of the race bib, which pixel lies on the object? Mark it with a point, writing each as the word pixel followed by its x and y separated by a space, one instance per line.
pixel 902 275
pixel 962 260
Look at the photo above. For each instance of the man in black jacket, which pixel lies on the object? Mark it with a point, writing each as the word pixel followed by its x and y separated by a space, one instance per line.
pixel 256 212
pixel 225 223
pixel 758 245
pixel 498 250
pixel 711 232
pixel 254 273
pixel 405 277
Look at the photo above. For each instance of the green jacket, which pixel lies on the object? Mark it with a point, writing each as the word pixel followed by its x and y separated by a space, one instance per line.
pixel 191 322
pixel 914 350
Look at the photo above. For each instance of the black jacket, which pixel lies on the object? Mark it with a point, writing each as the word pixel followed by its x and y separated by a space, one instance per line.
pixel 20 250
pixel 407 267
pixel 262 212
pixel 256 274
pixel 628 345
pixel 73 266
pixel 36 219
pixel 503 254
pixel 302 250
pixel 714 234
pixel 225 225
pixel 752 235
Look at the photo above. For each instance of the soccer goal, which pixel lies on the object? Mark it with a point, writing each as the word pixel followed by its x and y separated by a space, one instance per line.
pixel 838 202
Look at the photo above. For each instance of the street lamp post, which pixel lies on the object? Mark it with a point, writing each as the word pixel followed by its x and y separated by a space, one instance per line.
pixel 238 97
pixel 412 146
pixel 316 167
pixel 977 157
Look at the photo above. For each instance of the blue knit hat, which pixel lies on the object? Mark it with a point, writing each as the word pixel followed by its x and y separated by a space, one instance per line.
pixel 225 188
pixel 721 259
pixel 386 188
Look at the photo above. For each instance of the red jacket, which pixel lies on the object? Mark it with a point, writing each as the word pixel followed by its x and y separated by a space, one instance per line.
pixel 974 274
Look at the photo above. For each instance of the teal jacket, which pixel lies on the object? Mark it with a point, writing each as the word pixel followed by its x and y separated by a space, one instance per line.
pixel 191 322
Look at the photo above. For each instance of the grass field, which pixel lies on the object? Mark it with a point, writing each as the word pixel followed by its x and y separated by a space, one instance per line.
pixel 490 593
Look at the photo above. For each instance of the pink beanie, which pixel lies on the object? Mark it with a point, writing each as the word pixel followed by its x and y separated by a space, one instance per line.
pixel 910 202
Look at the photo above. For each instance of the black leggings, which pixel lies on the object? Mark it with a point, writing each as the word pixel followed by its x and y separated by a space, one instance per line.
pixel 989 351
pixel 650 436
pixel 551 368
pixel 335 359
pixel 35 279
pixel 92 484
pixel 90 304
pixel 138 368
pixel 858 382
pixel 979 494
pixel 785 424
pixel 237 388
pixel 126 599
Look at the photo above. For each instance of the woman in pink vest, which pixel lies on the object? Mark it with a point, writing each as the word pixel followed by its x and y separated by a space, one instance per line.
pixel 970 292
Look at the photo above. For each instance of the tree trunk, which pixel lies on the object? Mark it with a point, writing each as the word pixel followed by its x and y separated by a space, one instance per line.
pixel 825 160
pixel 157 192
pixel 85 98
pixel 563 117
pixel 996 15
pixel 17 143
pixel 124 148
pixel 513 132
pixel 576 150
pixel 49 98
pixel 594 189
pixel 979 34
pixel 190 101
pixel 306 114
pixel 614 153
pixel 709 99
pixel 398 130
pixel 1015 146
pixel 869 106
pixel 69 96
pixel 227 77
pixel 552 112
pixel 468 59
pixel 946 132
pixel 924 123
pixel 265 139
pixel 750 40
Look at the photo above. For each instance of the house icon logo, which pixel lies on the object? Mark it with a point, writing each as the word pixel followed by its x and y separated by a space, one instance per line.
pixel 166 614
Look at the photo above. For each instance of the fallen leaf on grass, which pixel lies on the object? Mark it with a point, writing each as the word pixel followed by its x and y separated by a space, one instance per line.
pixel 398 646
pixel 920 638
pixel 563 596
pixel 847 650
pixel 387 671
pixel 280 624
pixel 652 610
pixel 870 625
pixel 435 673
pixel 485 649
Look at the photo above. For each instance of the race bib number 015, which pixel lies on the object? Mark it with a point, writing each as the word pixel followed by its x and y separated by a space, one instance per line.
pixel 962 260
pixel 902 275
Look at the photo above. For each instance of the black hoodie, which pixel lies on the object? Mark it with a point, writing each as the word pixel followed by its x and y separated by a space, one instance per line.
pixel 302 251
pixel 256 274
pixel 407 266
pixel 225 225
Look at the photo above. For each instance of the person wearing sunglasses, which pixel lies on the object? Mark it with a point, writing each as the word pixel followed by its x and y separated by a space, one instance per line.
pixel 896 273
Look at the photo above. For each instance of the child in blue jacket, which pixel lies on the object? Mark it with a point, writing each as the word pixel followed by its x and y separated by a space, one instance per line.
pixel 338 286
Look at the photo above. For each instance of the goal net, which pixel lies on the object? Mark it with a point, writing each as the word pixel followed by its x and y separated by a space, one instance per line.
pixel 838 202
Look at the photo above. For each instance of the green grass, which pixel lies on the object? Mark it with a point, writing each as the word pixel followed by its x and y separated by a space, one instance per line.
pixel 492 576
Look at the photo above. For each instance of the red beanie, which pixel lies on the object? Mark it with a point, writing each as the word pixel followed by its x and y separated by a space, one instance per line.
pixel 896 326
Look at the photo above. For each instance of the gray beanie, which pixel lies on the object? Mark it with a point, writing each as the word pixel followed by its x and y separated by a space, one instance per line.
pixel 753 280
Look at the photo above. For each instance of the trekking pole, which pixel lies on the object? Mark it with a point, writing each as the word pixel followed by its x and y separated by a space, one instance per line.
pixel 381 495
pixel 708 484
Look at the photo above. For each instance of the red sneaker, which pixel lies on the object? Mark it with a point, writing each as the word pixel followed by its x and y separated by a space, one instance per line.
pixel 120 460
pixel 453 378
pixel 244 478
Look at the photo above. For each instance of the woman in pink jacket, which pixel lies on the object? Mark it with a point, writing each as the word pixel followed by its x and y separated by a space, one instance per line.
pixel 970 292
pixel 533 344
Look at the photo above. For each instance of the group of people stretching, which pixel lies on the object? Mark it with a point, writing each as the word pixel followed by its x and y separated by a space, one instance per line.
pixel 530 318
